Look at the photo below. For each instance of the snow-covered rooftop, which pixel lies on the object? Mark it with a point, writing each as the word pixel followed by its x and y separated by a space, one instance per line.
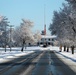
pixel 48 36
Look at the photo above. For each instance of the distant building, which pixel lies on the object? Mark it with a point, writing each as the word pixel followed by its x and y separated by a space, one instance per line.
pixel 47 40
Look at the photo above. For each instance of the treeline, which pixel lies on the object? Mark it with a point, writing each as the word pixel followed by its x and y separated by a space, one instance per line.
pixel 19 36
pixel 64 24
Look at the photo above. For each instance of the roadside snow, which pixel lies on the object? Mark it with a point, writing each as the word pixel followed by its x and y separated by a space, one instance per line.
pixel 68 55
pixel 16 52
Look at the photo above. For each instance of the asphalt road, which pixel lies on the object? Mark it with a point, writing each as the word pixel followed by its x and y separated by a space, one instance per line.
pixel 18 65
pixel 42 67
pixel 60 68
pixel 37 63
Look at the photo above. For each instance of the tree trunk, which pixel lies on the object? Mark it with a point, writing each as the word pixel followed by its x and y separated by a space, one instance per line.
pixel 64 48
pixel 67 49
pixel 23 43
pixel 60 48
pixel 72 48
pixel 22 49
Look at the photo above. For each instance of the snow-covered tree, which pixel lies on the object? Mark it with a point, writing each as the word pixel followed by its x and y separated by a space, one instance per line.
pixel 37 36
pixel 72 2
pixel 3 31
pixel 23 33
pixel 63 26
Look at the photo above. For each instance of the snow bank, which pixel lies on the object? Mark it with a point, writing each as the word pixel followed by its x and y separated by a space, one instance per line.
pixel 16 52
pixel 65 54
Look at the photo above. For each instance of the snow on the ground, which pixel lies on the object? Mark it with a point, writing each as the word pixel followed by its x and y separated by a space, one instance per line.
pixel 16 52
pixel 67 57
pixel 66 54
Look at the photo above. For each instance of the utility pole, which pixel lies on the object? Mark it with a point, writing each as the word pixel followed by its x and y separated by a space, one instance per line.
pixel 10 35
pixel 5 35
pixel 5 23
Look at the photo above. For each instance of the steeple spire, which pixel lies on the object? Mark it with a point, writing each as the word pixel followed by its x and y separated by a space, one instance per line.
pixel 44 30
pixel 44 19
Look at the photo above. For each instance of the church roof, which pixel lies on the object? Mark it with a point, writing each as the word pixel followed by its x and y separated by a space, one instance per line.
pixel 48 36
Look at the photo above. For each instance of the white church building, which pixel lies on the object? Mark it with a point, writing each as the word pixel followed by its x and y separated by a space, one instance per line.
pixel 47 40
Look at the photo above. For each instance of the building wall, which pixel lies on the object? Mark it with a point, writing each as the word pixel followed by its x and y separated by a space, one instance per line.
pixel 47 40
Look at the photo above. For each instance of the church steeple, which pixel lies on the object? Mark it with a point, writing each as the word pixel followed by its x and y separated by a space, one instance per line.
pixel 44 19
pixel 44 30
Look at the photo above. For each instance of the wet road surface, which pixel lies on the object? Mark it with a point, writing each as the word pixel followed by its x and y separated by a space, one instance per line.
pixel 18 65
pixel 37 63
pixel 42 67
pixel 60 68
